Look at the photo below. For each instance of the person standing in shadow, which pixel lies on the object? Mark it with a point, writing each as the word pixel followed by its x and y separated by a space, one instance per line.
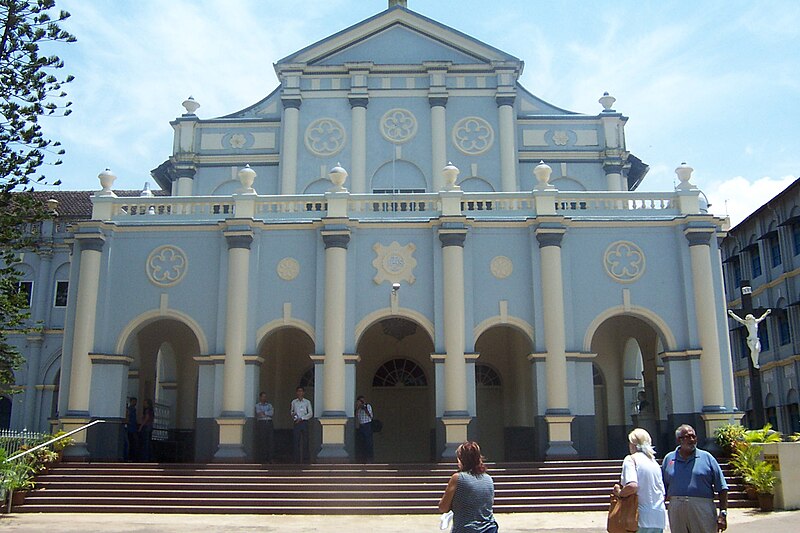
pixel 146 431
pixel 365 449
pixel 301 413
pixel 132 431
pixel 264 429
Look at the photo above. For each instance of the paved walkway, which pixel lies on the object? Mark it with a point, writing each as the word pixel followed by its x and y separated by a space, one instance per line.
pixel 740 521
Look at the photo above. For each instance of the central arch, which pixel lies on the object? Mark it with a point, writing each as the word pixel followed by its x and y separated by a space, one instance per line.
pixel 396 375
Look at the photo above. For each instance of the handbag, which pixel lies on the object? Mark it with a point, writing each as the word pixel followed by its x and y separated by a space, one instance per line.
pixel 377 425
pixel 623 513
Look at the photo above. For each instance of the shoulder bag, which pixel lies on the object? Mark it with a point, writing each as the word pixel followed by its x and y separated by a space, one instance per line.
pixel 623 514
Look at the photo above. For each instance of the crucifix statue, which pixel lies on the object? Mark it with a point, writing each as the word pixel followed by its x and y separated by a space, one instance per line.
pixel 747 317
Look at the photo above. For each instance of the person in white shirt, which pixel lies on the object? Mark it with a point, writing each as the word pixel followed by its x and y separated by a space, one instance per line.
pixel 264 429
pixel 641 475
pixel 301 414
pixel 365 450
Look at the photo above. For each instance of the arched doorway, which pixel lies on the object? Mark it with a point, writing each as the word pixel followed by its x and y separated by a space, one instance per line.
pixel 164 371
pixel 286 366
pixel 627 358
pixel 396 376
pixel 504 404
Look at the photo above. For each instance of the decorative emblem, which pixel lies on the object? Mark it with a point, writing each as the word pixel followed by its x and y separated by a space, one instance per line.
pixel 560 138
pixel 238 140
pixel 501 267
pixel 624 261
pixel 288 268
pixel 398 126
pixel 325 137
pixel 166 265
pixel 473 135
pixel 394 263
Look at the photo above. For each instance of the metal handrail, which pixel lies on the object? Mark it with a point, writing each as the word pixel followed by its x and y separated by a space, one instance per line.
pixel 56 439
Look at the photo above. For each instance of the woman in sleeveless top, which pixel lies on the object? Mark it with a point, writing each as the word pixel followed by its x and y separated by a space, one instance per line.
pixel 470 493
pixel 642 475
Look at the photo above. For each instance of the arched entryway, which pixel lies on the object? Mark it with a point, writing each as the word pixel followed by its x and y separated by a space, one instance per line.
pixel 287 364
pixel 629 363
pixel 397 377
pixel 504 403
pixel 164 371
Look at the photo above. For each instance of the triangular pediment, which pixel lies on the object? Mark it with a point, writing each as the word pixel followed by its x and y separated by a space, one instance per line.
pixel 398 36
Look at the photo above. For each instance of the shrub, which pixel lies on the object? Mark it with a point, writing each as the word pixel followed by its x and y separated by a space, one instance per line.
pixel 728 436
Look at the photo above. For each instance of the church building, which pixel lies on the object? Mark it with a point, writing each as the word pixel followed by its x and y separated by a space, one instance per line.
pixel 401 219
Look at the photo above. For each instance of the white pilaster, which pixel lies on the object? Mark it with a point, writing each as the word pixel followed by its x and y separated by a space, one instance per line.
pixel 290 127
pixel 507 139
pixel 358 176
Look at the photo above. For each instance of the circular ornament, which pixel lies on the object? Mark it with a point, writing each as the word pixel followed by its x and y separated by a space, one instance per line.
pixel 325 137
pixel 288 268
pixel 624 261
pixel 166 265
pixel 473 135
pixel 501 267
pixel 394 263
pixel 398 126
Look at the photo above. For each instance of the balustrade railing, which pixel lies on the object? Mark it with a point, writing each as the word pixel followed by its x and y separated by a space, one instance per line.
pixel 153 210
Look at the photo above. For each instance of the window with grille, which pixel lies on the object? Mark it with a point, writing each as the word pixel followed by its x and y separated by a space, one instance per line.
pixel 755 261
pixel 399 373
pixel 307 380
pixel 486 376
pixel 26 288
pixel 775 250
pixel 784 334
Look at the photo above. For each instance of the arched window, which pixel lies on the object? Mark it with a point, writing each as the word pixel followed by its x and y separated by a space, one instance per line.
pixel 399 373
pixel 486 376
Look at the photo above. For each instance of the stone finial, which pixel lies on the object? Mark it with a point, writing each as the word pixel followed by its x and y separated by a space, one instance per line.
pixel 247 176
pixel 52 206
pixel 684 173
pixel 542 173
pixel 338 175
pixel 190 105
pixel 401 3
pixel 607 101
pixel 107 179
pixel 450 173
pixel 146 192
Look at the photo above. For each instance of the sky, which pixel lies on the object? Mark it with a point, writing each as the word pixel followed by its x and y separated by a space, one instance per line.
pixel 713 83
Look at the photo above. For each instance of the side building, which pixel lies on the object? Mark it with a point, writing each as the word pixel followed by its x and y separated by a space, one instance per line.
pixel 763 253
pixel 402 219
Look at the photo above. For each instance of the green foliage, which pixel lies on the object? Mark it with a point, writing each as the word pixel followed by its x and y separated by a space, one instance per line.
pixel 19 476
pixel 728 436
pixel 59 445
pixel 744 460
pixel 794 437
pixel 765 434
pixel 29 90
pixel 763 478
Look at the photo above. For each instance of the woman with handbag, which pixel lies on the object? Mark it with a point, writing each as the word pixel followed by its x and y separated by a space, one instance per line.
pixel 641 476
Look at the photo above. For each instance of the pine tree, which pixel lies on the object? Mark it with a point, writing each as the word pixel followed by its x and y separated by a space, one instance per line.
pixel 29 90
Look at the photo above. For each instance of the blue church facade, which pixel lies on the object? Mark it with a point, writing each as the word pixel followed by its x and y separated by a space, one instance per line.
pixel 400 218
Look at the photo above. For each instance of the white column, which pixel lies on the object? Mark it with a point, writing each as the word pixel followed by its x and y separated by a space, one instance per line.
pixel 705 302
pixel 558 415
pixel 438 140
pixel 91 252
pixel 231 421
pixel 185 184
pixel 456 415
pixel 358 175
pixel 334 417
pixel 289 133
pixel 613 176
pixel 507 140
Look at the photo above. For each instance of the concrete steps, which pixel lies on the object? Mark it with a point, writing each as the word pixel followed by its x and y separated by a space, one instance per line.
pixel 318 489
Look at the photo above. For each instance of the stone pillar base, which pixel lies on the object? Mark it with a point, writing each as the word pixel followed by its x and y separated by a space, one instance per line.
pixel 231 449
pixel 78 451
pixel 455 431
pixel 559 436
pixel 333 445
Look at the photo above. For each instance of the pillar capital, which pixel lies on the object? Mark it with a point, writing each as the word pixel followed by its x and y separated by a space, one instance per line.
pixel 239 241
pixel 613 167
pixel 94 244
pixel 504 99
pixel 292 102
pixel 358 101
pixel 549 237
pixel 437 100
pixel 452 237
pixel 185 171
pixel 336 239
pixel 698 237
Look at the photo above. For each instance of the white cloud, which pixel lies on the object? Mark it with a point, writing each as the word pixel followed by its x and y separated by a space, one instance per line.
pixel 737 197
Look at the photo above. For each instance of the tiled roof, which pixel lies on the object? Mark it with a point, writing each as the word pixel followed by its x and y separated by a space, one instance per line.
pixel 77 204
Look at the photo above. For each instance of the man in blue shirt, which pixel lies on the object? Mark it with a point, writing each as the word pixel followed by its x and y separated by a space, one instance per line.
pixel 691 476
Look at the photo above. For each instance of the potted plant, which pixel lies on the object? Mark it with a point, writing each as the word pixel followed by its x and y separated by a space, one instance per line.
pixel 763 479
pixel 744 460
pixel 17 481
pixel 728 436
pixel 59 445
pixel 760 436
